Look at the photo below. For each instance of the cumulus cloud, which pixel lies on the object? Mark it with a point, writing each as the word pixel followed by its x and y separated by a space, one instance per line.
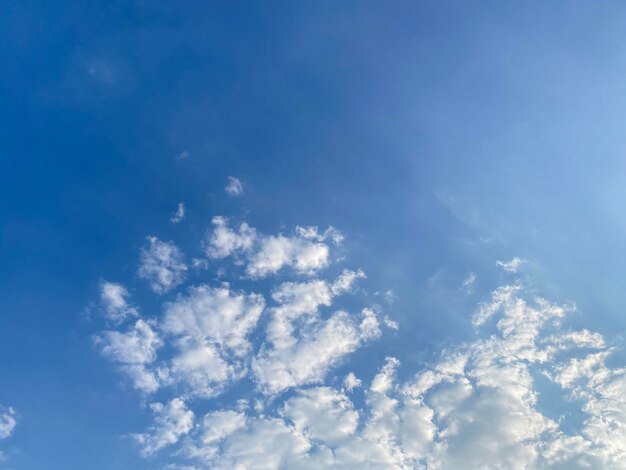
pixel 210 327
pixel 477 406
pixel 225 241
pixel 113 297
pixel 179 215
pixel 302 346
pixel 133 350
pixel 172 421
pixel 351 381
pixel 234 186
pixel 162 265
pixel 265 255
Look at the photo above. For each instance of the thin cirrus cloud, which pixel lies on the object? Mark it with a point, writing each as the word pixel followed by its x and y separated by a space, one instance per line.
pixel 477 406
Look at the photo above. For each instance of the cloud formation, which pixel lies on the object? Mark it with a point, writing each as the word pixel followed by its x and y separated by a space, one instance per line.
pixel 7 422
pixel 162 265
pixel 113 297
pixel 234 186
pixel 305 252
pixel 179 215
pixel 478 406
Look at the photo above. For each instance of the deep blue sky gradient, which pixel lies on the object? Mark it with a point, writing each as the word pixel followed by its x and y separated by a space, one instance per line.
pixel 438 136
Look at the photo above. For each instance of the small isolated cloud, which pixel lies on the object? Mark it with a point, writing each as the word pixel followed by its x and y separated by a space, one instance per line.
pixel 234 186
pixel 7 422
pixel 391 324
pixel 468 283
pixel 162 265
pixel 510 266
pixel 350 382
pixel 182 155
pixel 179 214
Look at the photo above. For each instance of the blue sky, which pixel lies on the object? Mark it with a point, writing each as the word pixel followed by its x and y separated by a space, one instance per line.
pixel 437 138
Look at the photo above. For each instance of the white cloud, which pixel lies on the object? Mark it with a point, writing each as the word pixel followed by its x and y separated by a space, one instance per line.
pixel 134 350
pixel 171 421
pixel 218 425
pixel 477 406
pixel 267 254
pixel 7 422
pixel 113 298
pixel 234 186
pixel 275 252
pixel 209 329
pixel 474 408
pixel 510 266
pixel 179 215
pixel 468 283
pixel 216 314
pixel 350 382
pixel 391 324
pixel 303 346
pixel 323 414
pixel 317 349
pixel 162 265
pixel 224 241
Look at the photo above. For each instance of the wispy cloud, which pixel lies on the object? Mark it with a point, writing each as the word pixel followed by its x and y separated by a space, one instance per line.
pixel 234 186
pixel 179 215
pixel 510 266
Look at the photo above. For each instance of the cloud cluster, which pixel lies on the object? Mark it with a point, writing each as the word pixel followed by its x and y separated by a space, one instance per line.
pixel 305 252
pixel 478 406
pixel 209 337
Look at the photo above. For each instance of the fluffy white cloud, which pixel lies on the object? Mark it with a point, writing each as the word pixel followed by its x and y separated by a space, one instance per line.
pixel 474 408
pixel 302 345
pixel 234 186
pixel 351 381
pixel 276 252
pixel 113 298
pixel 209 327
pixel 225 241
pixel 179 215
pixel 216 314
pixel 7 422
pixel 171 421
pixel 267 254
pixel 477 406
pixel 134 350
pixel 162 265
pixel 314 353
pixel 323 414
